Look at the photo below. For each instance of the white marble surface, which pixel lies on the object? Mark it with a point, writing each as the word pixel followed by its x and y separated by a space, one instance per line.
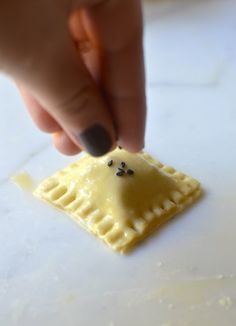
pixel 54 273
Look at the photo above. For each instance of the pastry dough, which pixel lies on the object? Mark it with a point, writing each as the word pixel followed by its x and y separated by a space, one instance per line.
pixel 121 209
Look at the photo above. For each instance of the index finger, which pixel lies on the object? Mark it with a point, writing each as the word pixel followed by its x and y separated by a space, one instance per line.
pixel 119 28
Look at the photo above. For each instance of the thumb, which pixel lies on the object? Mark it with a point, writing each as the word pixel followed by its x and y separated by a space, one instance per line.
pixel 63 86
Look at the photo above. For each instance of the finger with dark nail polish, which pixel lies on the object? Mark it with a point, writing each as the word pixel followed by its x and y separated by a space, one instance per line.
pixel 96 140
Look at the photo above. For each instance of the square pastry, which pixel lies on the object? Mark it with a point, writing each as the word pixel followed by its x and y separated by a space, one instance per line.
pixel 120 197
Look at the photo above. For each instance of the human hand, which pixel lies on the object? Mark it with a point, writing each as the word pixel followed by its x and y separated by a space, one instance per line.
pixel 81 75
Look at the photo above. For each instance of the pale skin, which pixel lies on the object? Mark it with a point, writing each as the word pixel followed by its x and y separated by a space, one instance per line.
pixel 78 64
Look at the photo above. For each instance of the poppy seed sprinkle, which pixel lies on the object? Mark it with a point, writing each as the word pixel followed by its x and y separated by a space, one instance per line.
pixel 130 172
pixel 110 163
pixel 122 164
pixel 120 173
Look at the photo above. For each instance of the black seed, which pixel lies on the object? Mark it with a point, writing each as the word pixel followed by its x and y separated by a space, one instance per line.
pixel 119 147
pixel 130 172
pixel 121 170
pixel 120 173
pixel 110 163
pixel 122 164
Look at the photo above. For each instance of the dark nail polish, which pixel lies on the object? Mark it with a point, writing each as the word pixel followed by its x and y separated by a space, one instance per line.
pixel 96 140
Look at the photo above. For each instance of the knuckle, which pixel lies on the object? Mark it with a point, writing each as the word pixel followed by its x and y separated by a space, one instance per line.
pixel 77 101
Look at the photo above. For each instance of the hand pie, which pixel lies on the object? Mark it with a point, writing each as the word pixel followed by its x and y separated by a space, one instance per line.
pixel 120 197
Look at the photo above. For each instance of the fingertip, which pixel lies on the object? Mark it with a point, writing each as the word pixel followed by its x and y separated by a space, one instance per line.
pixel 64 144
pixel 130 117
pixel 96 140
pixel 132 147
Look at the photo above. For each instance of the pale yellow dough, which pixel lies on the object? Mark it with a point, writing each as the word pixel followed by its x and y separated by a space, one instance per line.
pixel 119 210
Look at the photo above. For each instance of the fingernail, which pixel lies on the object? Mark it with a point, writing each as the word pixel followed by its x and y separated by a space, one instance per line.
pixel 96 140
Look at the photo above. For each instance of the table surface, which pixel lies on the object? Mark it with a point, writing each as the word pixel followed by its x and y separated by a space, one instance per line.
pixel 54 273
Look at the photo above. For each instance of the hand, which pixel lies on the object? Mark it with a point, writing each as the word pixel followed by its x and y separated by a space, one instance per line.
pixel 79 66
